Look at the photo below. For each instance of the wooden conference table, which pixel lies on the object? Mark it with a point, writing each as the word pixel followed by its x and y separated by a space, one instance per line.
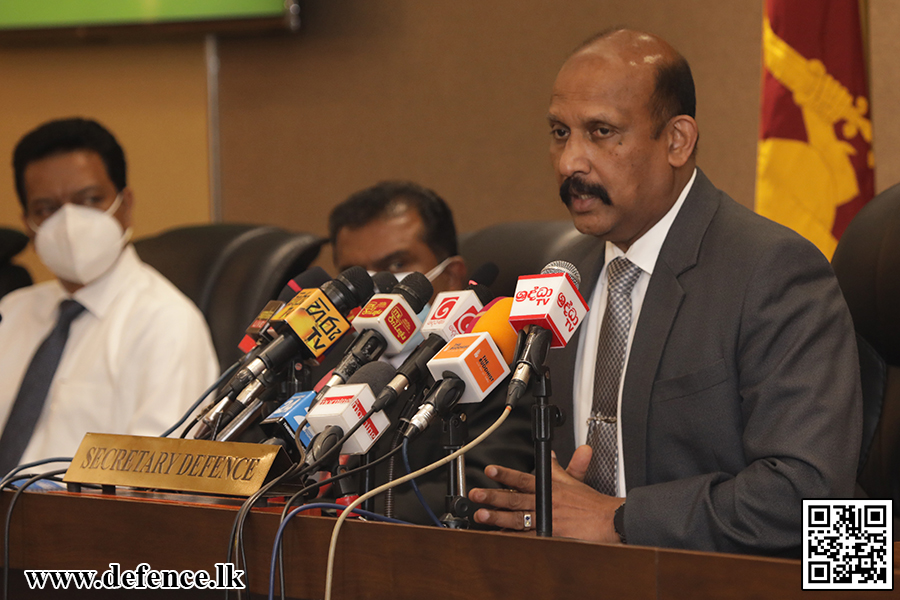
pixel 375 560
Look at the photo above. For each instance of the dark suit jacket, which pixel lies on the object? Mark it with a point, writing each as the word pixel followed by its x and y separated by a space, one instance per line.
pixel 742 394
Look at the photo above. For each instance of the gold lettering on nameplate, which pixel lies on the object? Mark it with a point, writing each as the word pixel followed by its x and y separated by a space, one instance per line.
pixel 231 468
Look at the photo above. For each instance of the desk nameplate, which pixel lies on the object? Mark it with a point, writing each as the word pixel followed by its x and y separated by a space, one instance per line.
pixel 231 468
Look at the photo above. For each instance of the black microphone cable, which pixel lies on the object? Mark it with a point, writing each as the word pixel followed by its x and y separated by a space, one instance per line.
pixel 236 546
pixel 11 476
pixel 312 487
pixel 9 513
pixel 415 487
pixel 344 474
pixel 228 372
pixel 236 539
pixel 416 395
pixel 332 548
pixel 236 552
pixel 276 547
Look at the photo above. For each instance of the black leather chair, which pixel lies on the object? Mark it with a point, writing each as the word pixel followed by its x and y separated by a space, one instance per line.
pixel 867 265
pixel 230 271
pixel 12 277
pixel 523 248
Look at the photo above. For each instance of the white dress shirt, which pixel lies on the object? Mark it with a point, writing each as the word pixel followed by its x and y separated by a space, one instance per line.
pixel 643 253
pixel 136 358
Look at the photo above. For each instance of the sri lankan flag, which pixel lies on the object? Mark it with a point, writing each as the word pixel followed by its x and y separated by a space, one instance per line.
pixel 815 164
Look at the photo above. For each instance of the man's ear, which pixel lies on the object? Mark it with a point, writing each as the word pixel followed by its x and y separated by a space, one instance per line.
pixel 681 135
pixel 28 230
pixel 456 272
pixel 125 209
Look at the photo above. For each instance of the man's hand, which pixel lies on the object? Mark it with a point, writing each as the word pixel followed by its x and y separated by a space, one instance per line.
pixel 579 511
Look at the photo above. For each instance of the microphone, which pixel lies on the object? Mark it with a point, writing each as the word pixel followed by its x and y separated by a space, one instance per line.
pixel 384 282
pixel 307 279
pixel 393 316
pixel 310 323
pixel 551 307
pixel 454 313
pixel 315 318
pixel 287 424
pixel 413 370
pixel 311 278
pixel 258 325
pixel 495 325
pixel 386 325
pixel 343 406
pixel 475 359
pixel 494 319
pixel 444 395
pixel 486 274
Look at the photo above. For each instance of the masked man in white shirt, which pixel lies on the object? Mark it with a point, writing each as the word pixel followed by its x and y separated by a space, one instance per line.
pixel 109 346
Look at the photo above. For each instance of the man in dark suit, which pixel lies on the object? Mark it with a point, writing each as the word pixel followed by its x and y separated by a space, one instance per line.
pixel 401 226
pixel 737 390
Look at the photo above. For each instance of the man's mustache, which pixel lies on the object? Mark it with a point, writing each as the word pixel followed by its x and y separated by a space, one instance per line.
pixel 575 186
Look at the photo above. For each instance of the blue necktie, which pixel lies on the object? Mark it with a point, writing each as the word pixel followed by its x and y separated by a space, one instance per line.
pixel 33 392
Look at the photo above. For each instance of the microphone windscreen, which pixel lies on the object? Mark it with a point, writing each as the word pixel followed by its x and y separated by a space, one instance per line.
pixel 482 291
pixel 416 290
pixel 384 282
pixel 486 274
pixel 359 283
pixel 377 374
pixel 495 321
pixel 562 266
pixel 310 278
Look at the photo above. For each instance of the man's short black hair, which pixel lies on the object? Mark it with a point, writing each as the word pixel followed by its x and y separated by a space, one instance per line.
pixel 68 135
pixel 673 91
pixel 392 197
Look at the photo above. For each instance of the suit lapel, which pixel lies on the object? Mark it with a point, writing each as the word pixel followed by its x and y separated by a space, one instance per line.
pixel 658 312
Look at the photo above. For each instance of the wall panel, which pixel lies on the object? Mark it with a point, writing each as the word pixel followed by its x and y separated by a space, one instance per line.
pixel 454 95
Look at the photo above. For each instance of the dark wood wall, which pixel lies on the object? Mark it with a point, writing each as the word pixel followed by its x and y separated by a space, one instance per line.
pixel 453 94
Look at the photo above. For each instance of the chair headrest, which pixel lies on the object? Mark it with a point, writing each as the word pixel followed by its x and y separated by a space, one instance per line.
pixel 867 265
pixel 12 241
pixel 523 248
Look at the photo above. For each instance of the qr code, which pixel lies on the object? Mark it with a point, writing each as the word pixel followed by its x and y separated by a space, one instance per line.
pixel 847 544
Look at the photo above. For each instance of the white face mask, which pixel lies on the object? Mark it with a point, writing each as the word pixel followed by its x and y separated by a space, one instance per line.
pixel 417 337
pixel 430 275
pixel 79 244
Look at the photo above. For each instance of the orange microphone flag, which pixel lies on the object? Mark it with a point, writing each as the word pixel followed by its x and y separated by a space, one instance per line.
pixel 815 167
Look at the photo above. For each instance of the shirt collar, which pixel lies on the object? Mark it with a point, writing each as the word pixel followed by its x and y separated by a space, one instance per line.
pixel 98 296
pixel 645 250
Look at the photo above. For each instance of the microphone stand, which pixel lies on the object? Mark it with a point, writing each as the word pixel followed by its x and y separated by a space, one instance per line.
pixel 366 478
pixel 531 352
pixel 455 434
pixel 544 418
